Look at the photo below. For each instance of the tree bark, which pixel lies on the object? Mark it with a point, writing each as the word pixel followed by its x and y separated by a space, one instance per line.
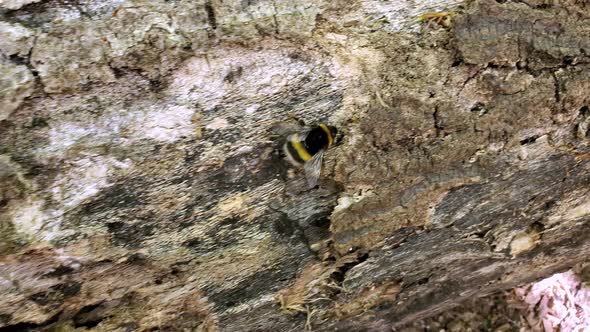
pixel 141 185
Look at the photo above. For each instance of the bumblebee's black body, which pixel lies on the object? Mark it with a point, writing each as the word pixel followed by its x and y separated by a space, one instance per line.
pixel 307 148
pixel 316 140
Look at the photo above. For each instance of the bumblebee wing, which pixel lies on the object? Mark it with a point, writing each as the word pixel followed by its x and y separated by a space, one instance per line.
pixel 284 128
pixel 313 168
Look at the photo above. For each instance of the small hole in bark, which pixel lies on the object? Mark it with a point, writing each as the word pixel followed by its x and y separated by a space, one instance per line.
pixel 423 281
pixel 19 60
pixel 58 272
pixel 321 222
pixel 114 226
pixel 548 205
pixel 38 122
pixel 192 242
pixel 537 227
pixel 529 140
pixel 283 225
pixel 118 72
pixel 339 275
pixel 479 108
pixel 5 318
pixel 330 259
pixel 156 85
pixel 70 288
pixel 88 316
pixel 457 62
pixel 136 258
pixel 211 14
pixel 584 111
pixel 480 234
pixel 233 75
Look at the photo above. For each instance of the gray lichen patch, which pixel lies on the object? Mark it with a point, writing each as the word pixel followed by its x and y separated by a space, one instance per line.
pixel 249 20
pixel 151 38
pixel 16 4
pixel 86 53
pixel 154 46
pixel 15 39
pixel 16 83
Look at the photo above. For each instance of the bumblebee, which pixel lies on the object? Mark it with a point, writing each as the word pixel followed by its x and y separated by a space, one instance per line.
pixel 306 149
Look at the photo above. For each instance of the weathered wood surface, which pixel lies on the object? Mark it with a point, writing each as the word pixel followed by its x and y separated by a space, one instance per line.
pixel 141 189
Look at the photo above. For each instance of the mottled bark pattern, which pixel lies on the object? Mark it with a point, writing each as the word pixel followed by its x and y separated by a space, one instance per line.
pixel 532 34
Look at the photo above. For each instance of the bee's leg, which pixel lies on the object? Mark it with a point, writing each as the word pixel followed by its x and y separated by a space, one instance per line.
pixel 430 24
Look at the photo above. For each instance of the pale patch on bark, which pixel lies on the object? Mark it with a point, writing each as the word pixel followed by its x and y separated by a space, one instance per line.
pixel 16 4
pixel 37 219
pixel 15 39
pixel 16 84
pixel 162 123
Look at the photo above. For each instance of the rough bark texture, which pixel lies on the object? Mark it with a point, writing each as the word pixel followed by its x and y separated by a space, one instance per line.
pixel 141 188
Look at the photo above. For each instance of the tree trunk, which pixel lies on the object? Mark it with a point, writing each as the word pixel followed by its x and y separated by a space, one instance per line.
pixel 141 185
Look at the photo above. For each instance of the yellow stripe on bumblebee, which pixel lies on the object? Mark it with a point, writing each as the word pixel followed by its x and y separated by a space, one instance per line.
pixel 301 151
pixel 328 132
